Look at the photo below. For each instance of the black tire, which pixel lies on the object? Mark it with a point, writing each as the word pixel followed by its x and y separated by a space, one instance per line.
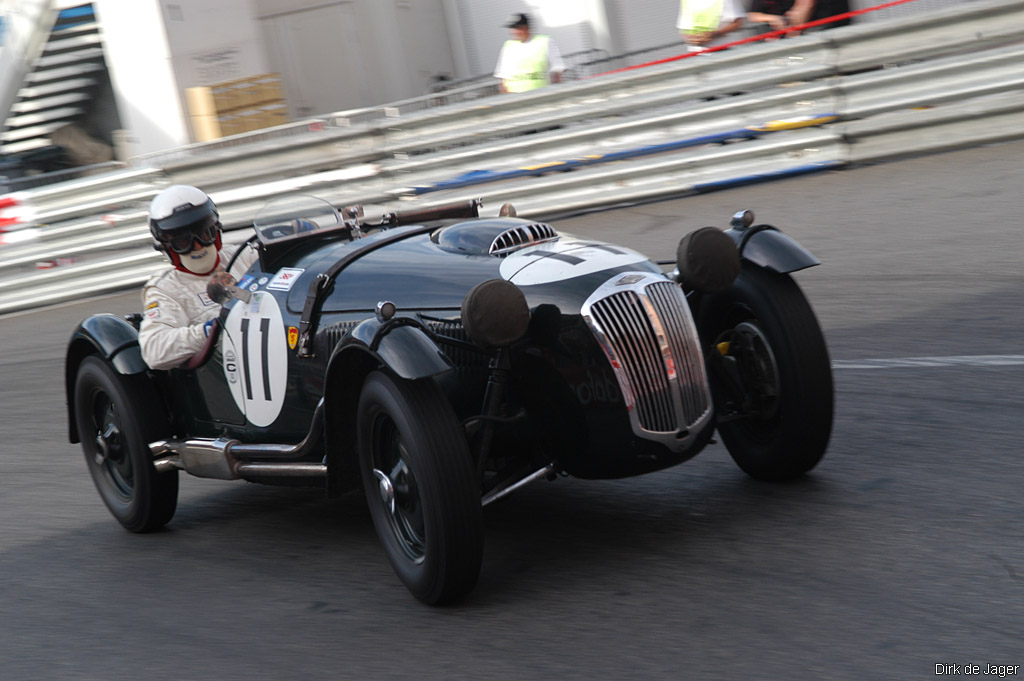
pixel 784 367
pixel 410 442
pixel 117 417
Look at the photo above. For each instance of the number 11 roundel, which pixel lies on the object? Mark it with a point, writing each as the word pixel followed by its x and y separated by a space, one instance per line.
pixel 256 358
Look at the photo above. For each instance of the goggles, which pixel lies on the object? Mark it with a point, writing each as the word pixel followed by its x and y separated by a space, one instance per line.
pixel 181 241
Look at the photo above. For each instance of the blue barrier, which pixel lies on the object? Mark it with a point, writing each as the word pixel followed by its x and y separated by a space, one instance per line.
pixel 770 175
pixel 475 177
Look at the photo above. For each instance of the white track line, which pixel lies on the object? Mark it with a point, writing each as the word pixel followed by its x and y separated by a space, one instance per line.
pixel 918 362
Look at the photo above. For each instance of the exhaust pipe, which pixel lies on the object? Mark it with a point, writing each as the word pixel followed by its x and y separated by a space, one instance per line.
pixel 229 459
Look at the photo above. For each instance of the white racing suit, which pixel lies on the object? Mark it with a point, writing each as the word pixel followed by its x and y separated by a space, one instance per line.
pixel 175 308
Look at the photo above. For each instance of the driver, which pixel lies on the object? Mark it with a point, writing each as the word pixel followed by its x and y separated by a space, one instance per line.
pixel 178 314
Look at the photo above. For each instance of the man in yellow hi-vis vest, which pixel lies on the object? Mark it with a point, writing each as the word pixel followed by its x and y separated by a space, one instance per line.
pixel 706 23
pixel 526 61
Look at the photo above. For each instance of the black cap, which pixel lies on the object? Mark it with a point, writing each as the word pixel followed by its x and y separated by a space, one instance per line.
pixel 518 21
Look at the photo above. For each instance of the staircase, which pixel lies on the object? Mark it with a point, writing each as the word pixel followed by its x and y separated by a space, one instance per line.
pixel 60 89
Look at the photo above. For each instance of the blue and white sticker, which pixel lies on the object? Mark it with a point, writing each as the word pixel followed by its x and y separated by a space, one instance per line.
pixel 256 358
pixel 559 261
pixel 285 278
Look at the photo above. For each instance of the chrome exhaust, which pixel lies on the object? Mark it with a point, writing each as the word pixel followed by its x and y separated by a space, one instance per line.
pixel 229 459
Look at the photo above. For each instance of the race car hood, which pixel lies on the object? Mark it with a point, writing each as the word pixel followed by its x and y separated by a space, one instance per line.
pixel 413 273
pixel 422 273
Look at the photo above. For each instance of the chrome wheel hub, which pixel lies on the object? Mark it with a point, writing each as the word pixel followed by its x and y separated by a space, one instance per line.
pixel 103 443
pixel 387 490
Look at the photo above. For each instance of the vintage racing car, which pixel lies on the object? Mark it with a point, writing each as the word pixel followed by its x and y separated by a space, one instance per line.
pixel 440 360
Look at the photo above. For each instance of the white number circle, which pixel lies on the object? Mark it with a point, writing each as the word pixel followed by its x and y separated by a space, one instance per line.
pixel 256 358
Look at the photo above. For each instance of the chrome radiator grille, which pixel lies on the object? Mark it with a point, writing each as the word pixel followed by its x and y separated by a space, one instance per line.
pixel 649 336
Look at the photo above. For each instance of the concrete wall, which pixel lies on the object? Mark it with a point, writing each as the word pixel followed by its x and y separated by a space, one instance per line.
pixel 211 42
pixel 156 49
pixel 347 54
pixel 142 74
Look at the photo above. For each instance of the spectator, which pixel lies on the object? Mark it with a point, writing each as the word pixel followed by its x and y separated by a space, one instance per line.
pixel 527 61
pixel 803 11
pixel 769 15
pixel 706 23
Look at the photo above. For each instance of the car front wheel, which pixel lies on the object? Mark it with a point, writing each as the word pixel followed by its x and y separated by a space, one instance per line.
pixel 421 488
pixel 772 378
pixel 117 417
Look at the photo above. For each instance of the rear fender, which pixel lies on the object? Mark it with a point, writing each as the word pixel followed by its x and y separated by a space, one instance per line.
pixel 767 247
pixel 108 336
pixel 399 345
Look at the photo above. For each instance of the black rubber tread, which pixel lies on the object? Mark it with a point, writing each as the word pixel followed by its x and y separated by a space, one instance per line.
pixel 449 491
pixel 797 438
pixel 155 495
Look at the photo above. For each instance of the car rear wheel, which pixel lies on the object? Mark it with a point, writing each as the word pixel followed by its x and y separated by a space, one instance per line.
pixel 773 388
pixel 117 417
pixel 421 488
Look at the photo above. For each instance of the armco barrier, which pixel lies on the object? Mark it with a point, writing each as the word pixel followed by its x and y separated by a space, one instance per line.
pixel 617 123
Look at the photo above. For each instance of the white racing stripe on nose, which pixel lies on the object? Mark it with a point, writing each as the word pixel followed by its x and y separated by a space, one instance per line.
pixel 918 362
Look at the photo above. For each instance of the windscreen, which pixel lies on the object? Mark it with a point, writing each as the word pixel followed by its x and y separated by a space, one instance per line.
pixel 293 217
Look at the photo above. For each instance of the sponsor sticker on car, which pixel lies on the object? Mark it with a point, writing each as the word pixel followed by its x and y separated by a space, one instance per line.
pixel 285 279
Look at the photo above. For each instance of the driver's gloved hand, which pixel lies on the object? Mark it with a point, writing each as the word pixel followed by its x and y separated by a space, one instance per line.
pixel 208 327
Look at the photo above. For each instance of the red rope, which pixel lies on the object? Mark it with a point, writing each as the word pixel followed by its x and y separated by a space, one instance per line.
pixel 764 36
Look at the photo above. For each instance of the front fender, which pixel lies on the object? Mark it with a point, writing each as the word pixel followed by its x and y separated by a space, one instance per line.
pixel 108 336
pixel 401 345
pixel 404 348
pixel 767 247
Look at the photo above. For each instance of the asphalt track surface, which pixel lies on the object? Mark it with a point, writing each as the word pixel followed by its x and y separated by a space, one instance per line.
pixel 901 551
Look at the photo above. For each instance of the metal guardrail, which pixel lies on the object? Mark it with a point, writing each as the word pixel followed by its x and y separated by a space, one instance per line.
pixel 9 184
pixel 632 130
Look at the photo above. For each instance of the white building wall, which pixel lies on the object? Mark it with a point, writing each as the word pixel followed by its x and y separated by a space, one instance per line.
pixel 142 75
pixel 211 42
pixel 338 55
pixel 651 24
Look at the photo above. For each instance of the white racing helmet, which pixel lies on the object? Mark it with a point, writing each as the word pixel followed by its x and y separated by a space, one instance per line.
pixel 186 226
